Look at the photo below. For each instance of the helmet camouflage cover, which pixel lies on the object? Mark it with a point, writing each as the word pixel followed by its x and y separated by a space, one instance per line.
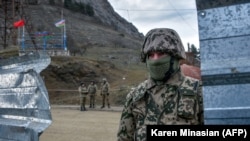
pixel 163 40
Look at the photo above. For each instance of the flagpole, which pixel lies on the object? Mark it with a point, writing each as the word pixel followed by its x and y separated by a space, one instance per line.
pixel 62 29
pixel 23 39
pixel 18 36
pixel 64 37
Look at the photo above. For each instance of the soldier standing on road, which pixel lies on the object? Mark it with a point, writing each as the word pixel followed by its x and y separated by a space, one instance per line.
pixel 83 91
pixel 92 88
pixel 105 93
pixel 167 97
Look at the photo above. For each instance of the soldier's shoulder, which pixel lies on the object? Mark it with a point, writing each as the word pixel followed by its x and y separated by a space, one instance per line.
pixel 137 92
pixel 191 83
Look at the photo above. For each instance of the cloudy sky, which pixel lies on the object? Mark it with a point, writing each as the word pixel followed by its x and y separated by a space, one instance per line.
pixel 180 15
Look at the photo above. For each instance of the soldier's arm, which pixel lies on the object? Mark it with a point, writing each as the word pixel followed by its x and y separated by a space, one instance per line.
pixel 101 90
pixel 79 90
pixel 108 87
pixel 127 125
pixel 88 88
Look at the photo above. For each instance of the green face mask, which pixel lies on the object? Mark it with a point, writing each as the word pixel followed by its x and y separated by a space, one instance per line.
pixel 158 68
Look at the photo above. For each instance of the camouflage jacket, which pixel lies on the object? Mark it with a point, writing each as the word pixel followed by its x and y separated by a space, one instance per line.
pixel 83 91
pixel 92 88
pixel 105 88
pixel 178 101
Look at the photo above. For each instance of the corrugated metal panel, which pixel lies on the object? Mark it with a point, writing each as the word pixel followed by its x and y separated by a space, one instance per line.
pixel 24 104
pixel 224 32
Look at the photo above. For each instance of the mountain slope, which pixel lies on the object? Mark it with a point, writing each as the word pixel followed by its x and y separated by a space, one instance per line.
pixel 111 49
pixel 104 28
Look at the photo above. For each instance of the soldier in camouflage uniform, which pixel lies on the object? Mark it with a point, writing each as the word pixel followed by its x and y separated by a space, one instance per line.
pixel 92 88
pixel 105 93
pixel 83 91
pixel 167 97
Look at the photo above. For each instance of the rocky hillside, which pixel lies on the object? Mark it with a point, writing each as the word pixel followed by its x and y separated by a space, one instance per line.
pixel 103 27
pixel 101 45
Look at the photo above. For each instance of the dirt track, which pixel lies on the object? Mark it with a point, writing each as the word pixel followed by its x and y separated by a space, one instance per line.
pixel 70 124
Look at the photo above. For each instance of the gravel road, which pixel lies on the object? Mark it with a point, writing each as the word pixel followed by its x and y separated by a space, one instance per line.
pixel 70 124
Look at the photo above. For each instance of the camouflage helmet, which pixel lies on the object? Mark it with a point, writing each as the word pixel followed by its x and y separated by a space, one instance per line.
pixel 163 40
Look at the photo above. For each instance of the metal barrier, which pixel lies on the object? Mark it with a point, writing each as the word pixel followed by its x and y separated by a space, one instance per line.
pixel 225 67
pixel 25 108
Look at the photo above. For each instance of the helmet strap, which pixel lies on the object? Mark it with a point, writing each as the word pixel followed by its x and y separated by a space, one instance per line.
pixel 170 71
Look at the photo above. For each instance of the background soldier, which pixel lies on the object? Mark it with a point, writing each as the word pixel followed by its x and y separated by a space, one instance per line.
pixel 83 91
pixel 105 92
pixel 92 88
pixel 167 96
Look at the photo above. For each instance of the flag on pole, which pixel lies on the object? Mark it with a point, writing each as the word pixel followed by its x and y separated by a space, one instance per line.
pixel 19 23
pixel 61 23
